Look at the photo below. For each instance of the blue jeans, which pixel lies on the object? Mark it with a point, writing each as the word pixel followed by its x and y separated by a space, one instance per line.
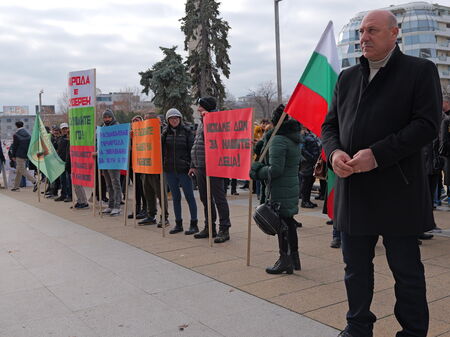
pixel 175 180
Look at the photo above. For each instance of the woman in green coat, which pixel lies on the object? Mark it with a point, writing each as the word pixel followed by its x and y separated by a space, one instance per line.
pixel 282 164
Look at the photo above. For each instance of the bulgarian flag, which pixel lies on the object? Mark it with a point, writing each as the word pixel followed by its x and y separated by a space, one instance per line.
pixel 312 96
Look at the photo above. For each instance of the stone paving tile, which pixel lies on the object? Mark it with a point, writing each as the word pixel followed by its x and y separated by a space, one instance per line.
pixel 387 326
pixel 133 317
pixel 439 309
pixel 312 298
pixel 278 286
pixel 35 304
pixel 68 325
pixel 256 325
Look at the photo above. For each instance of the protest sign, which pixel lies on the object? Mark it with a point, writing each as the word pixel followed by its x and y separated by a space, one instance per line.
pixel 147 146
pixel 228 143
pixel 82 100
pixel 113 147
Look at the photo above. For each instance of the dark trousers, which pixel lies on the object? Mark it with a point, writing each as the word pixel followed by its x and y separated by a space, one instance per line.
pixel 403 256
pixel 66 185
pixel 152 191
pixel 139 193
pixel 218 199
pixel 307 184
pixel 233 184
pixel 288 239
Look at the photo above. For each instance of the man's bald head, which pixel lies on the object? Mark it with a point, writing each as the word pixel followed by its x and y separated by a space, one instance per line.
pixel 378 34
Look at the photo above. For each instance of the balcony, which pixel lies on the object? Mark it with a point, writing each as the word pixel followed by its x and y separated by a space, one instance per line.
pixel 444 75
pixel 443 32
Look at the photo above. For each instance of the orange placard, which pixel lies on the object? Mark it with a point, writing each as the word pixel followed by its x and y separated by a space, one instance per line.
pixel 147 146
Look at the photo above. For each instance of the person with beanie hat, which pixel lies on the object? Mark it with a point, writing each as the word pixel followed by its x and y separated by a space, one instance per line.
pixel 207 103
pixel 218 193
pixel 177 140
pixel 112 177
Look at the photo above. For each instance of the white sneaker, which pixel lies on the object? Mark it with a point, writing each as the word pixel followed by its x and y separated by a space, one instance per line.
pixel 107 210
pixel 115 212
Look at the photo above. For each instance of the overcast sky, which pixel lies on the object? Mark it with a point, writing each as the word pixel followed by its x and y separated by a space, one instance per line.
pixel 41 41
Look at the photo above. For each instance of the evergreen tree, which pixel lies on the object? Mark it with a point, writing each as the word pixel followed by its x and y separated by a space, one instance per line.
pixel 206 40
pixel 169 80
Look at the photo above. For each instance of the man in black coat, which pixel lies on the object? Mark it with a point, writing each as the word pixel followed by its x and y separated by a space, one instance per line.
pixel 19 154
pixel 384 110
pixel 444 149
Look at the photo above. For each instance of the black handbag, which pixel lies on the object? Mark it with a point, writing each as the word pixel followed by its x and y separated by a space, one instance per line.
pixel 267 215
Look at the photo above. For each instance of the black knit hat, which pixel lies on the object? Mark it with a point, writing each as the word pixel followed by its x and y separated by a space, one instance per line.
pixel 108 113
pixel 208 103
pixel 276 114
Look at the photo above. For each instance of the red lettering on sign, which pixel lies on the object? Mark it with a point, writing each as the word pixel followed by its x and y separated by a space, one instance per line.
pixel 83 101
pixel 79 80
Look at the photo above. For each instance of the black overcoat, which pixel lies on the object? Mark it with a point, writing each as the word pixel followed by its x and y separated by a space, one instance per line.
pixel 395 115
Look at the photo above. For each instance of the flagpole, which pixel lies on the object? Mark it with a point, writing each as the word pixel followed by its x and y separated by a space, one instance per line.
pixel 126 185
pixel 38 151
pixel 250 202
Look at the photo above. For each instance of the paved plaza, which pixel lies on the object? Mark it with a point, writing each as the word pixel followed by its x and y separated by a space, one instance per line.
pixel 68 273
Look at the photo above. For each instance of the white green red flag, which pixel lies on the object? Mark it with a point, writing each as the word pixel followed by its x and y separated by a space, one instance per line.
pixel 42 153
pixel 312 96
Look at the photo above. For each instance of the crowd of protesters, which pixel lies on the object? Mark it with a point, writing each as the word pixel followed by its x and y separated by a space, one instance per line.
pixel 184 169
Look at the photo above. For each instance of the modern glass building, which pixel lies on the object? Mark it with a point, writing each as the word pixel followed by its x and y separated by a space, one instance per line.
pixel 424 32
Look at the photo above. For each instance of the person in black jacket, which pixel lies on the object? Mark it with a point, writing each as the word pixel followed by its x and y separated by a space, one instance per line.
pixel 310 153
pixel 218 194
pixel 177 142
pixel 19 154
pixel 62 149
pixel 383 111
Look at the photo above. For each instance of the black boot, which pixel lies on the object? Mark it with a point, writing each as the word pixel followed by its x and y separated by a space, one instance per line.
pixel 296 260
pixel 284 264
pixel 193 228
pixel 178 227
pixel 205 233
pixel 224 235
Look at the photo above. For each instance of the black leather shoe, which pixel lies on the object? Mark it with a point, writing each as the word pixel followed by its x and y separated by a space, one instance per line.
pixel 131 216
pixel 335 243
pixel 141 215
pixel 205 233
pixel 425 236
pixel 60 198
pixel 344 334
pixel 284 264
pixel 147 221
pixel 193 228
pixel 224 235
pixel 307 204
pixel 178 227
pixel 166 223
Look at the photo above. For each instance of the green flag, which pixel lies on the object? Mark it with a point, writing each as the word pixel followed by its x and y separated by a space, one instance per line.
pixel 42 153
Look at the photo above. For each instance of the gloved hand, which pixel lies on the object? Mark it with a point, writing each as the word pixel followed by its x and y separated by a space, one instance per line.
pixel 256 166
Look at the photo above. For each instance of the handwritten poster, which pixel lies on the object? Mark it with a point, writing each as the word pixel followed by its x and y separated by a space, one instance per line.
pixel 146 153
pixel 228 143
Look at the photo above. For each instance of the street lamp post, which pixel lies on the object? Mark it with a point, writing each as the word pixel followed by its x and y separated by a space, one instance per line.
pixel 277 45
pixel 40 100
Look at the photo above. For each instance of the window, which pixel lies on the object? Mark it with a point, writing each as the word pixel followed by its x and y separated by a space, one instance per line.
pixel 421 38
pixel 425 53
pixel 419 25
pixel 357 47
pixel 9 127
pixel 345 63
pixel 25 120
pixel 8 120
